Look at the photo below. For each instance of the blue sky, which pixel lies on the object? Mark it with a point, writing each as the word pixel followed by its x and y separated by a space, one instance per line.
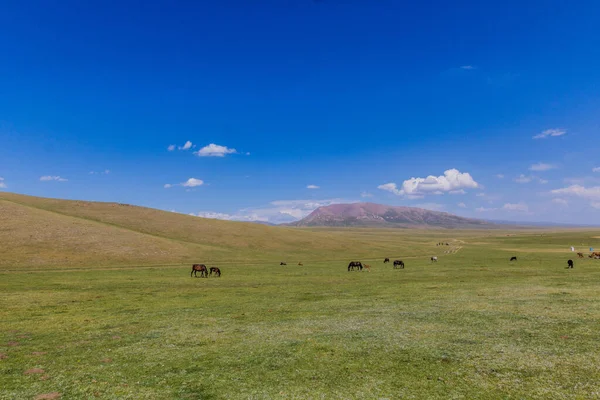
pixel 363 99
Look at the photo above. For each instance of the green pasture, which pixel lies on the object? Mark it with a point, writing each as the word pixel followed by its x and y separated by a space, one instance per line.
pixel 472 326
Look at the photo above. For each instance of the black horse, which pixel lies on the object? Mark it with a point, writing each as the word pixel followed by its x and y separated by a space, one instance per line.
pixel 282 263
pixel 216 270
pixel 513 259
pixel 570 264
pixel 201 268
pixel 355 264
pixel 387 260
pixel 398 264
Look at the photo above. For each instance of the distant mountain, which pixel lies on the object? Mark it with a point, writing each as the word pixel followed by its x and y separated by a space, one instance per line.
pixel 378 215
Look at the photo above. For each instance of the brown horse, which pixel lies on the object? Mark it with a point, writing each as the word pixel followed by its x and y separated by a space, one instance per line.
pixel 300 264
pixel 580 255
pixel 201 268
pixel 216 270
pixel 367 267
pixel 387 260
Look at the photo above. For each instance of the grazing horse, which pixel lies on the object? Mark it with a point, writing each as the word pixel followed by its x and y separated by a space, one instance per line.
pixel 513 258
pixel 433 259
pixel 216 270
pixel 282 263
pixel 355 264
pixel 570 264
pixel 398 264
pixel 201 268
pixel 300 264
pixel 387 260
pixel 580 255
pixel 595 254
pixel 367 267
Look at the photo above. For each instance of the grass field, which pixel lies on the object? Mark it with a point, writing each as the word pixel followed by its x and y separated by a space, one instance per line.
pixel 96 301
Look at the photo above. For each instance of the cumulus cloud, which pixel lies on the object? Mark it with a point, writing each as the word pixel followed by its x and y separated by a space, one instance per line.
pixel 462 205
pixel 452 181
pixel 461 191
pixel 521 207
pixel 597 169
pixel 2 184
pixel 541 167
pixel 312 187
pixel 214 150
pixel 523 179
pixel 48 178
pixel 171 147
pixel 591 193
pixel 550 133
pixel 366 195
pixel 190 183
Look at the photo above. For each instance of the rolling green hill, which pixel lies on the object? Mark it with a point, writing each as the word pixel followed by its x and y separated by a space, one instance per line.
pixel 41 232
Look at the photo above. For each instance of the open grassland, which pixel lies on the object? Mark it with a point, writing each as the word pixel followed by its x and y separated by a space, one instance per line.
pixel 471 326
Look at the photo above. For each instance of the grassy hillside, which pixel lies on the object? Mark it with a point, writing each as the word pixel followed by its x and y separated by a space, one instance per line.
pixel 40 232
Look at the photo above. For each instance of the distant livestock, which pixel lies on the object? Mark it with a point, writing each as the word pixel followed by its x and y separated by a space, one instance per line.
pixel 387 260
pixel 201 268
pixel 433 259
pixel 355 264
pixel 513 259
pixel 367 267
pixel 398 264
pixel 570 264
pixel 216 270
pixel 300 264
pixel 595 254
pixel 282 263
pixel 580 255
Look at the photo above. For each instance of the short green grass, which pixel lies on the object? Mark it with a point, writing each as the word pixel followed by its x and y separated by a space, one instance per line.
pixel 472 326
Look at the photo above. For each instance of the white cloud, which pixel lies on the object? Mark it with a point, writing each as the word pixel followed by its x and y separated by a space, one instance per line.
pixel 543 181
pixel 467 67
pixel 312 187
pixel 541 167
pixel 190 183
pixel 48 178
pixel 214 150
pixel 105 172
pixel 483 209
pixel 523 179
pixel 462 205
pixel 461 191
pixel 500 176
pixel 366 195
pixel 276 212
pixel 550 133
pixel 193 182
pixel 597 169
pixel 595 205
pixel 452 180
pixel 431 206
pixel 592 193
pixel 2 184
pixel 171 147
pixel 186 146
pixel 521 207
pixel 480 195
pixel 562 202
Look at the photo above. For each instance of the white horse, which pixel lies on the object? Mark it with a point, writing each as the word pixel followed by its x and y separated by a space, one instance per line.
pixel 433 259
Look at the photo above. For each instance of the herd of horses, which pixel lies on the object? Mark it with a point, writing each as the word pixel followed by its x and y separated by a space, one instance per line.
pixel 356 265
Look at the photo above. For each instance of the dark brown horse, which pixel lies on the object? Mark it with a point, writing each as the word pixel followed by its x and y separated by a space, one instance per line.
pixel 513 258
pixel 282 263
pixel 201 268
pixel 387 260
pixel 355 264
pixel 216 270
pixel 398 264
pixel 300 264
pixel 580 255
